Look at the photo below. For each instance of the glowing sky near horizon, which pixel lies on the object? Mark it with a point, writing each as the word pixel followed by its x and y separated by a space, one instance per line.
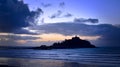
pixel 51 37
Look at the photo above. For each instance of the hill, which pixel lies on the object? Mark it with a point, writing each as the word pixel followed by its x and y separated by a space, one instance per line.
pixel 75 42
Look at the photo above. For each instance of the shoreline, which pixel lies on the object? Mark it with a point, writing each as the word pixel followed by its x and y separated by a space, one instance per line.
pixel 20 62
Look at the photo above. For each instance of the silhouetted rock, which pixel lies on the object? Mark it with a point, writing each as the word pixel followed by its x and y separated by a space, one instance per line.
pixel 75 42
pixel 43 47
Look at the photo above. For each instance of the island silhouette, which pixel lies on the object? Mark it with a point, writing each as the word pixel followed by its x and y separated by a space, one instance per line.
pixel 75 42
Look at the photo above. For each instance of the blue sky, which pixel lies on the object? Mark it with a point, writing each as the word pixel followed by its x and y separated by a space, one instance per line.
pixel 107 11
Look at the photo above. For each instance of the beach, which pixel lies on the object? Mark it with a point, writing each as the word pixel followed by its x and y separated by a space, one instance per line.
pixel 19 62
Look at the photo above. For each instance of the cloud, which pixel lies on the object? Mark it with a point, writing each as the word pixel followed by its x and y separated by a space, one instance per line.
pixel 59 14
pixel 86 20
pixel 56 15
pixel 46 5
pixel 42 20
pixel 23 31
pixel 15 14
pixel 16 39
pixel 62 4
pixel 68 15
pixel 109 34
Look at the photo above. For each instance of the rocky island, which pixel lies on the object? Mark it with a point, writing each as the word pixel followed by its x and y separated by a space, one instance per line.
pixel 75 42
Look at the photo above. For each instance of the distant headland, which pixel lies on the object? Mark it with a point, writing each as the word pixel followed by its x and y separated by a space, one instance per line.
pixel 75 42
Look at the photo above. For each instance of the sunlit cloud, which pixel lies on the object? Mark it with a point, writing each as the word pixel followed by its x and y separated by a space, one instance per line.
pixel 21 41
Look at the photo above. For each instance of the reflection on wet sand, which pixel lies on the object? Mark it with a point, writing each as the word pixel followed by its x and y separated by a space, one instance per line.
pixel 17 62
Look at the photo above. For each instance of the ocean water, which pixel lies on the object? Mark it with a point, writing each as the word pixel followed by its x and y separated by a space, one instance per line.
pixel 99 56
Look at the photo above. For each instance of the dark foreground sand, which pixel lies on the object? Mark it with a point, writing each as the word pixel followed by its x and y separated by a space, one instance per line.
pixel 18 62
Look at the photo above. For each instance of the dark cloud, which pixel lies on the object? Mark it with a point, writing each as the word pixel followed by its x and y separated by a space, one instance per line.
pixel 56 15
pixel 86 20
pixel 15 14
pixel 59 14
pixel 109 33
pixel 16 37
pixel 15 40
pixel 23 31
pixel 69 28
pixel 42 20
pixel 45 5
pixel 62 4
pixel 117 25
pixel 68 15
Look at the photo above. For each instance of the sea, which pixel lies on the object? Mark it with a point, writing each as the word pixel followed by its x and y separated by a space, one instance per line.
pixel 98 56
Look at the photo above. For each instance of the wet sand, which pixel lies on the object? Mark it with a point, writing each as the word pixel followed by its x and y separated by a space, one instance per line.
pixel 18 62
pixel 5 66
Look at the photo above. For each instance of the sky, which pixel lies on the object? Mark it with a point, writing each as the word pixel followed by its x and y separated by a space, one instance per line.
pixel 43 22
pixel 107 11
